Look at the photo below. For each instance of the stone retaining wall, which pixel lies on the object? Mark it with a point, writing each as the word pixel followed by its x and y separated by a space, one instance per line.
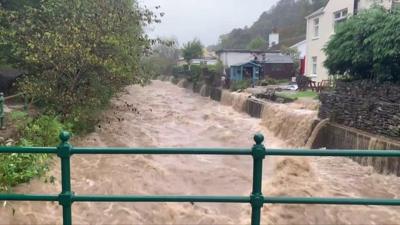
pixel 336 136
pixel 364 105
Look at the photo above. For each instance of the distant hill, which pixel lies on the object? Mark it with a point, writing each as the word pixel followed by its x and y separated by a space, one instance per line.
pixel 287 16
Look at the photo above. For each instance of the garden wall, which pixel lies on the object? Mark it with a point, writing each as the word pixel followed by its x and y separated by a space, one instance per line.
pixel 364 105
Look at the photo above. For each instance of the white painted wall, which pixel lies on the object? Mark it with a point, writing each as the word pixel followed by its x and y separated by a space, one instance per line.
pixel 273 39
pixel 301 47
pixel 231 58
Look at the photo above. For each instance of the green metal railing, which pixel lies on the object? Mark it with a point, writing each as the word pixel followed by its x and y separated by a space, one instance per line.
pixel 2 104
pixel 256 199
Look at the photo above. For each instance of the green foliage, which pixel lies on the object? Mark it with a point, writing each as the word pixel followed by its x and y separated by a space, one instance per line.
pixel 192 49
pixel 162 60
pixel 271 81
pixel 257 43
pixel 366 46
pixel 20 168
pixel 286 15
pixel 77 54
pixel 42 131
pixel 294 95
pixel 240 85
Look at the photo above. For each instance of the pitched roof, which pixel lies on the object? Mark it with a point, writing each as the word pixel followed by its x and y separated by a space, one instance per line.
pixel 250 62
pixel 316 13
pixel 239 51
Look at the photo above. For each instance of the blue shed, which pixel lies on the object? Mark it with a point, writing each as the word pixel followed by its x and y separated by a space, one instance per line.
pixel 245 71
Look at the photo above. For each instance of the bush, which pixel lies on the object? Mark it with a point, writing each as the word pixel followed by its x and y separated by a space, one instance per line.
pixel 270 81
pixel 20 168
pixel 366 46
pixel 240 85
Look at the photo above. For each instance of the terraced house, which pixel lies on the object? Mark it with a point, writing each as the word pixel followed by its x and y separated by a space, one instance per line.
pixel 321 25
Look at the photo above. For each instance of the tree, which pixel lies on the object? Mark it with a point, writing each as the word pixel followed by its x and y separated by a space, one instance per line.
pixel 163 58
pixel 192 49
pixel 366 46
pixel 257 43
pixel 76 53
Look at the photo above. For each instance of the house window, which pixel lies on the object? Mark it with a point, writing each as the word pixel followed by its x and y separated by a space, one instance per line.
pixel 339 17
pixel 314 65
pixel 316 27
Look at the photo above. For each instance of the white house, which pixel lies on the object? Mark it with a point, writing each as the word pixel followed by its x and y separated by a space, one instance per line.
pixel 231 57
pixel 301 47
pixel 204 61
pixel 321 26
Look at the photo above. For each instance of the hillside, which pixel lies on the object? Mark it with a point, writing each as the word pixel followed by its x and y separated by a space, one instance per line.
pixel 287 16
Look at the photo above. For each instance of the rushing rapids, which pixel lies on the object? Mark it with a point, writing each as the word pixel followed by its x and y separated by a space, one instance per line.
pixel 163 114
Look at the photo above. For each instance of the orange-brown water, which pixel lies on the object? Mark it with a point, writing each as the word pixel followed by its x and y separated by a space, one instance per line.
pixel 163 114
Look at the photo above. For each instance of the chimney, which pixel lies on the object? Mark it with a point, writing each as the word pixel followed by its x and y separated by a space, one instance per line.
pixel 273 38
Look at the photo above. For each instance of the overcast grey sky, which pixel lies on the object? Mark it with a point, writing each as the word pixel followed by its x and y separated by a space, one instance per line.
pixel 204 19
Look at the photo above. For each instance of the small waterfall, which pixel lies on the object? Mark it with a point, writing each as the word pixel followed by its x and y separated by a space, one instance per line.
pixel 290 124
pixel 182 83
pixel 203 90
pixel 226 98
pixel 239 101
pixel 311 142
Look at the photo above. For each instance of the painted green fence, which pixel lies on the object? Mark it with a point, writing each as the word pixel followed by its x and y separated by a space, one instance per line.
pixel 256 199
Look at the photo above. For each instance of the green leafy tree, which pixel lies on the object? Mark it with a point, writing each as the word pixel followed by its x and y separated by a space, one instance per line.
pixel 366 46
pixel 76 53
pixel 257 43
pixel 192 49
pixel 163 58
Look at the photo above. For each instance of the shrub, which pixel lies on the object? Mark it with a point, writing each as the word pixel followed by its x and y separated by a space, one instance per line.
pixel 20 168
pixel 240 85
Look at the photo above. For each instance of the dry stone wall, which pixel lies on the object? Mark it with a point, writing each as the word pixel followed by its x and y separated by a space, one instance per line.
pixel 364 105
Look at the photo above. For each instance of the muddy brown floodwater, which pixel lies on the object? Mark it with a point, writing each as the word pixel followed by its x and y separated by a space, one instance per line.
pixel 162 114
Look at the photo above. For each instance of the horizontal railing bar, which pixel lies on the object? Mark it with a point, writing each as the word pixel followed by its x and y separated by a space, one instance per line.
pixel 13 96
pixel 331 201
pixel 333 153
pixel 23 197
pixel 163 151
pixel 34 150
pixel 138 198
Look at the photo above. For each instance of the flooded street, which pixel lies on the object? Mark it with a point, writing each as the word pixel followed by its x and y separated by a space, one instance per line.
pixel 164 115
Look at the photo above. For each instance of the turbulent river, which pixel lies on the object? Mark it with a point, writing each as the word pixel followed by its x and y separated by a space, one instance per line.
pixel 162 114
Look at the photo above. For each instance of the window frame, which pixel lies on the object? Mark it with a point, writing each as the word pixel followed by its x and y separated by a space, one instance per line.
pixel 314 65
pixel 316 23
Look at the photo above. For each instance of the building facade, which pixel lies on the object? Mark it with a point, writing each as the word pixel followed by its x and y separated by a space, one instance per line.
pixel 321 26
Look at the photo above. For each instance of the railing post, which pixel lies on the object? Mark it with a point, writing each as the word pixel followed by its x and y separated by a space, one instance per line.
pixel 65 197
pixel 257 198
pixel 2 125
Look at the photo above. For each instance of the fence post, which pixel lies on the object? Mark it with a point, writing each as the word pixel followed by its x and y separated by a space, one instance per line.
pixel 2 125
pixel 65 197
pixel 256 197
